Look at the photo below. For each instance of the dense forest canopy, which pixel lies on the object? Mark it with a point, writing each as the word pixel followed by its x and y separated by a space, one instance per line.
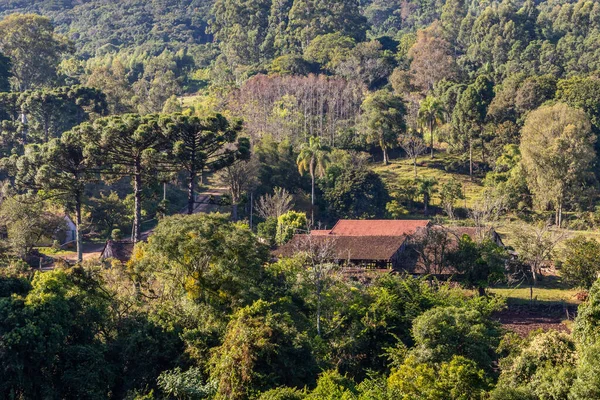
pixel 157 157
pixel 99 26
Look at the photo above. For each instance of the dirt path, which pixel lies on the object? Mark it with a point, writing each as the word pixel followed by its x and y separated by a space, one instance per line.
pixel 206 202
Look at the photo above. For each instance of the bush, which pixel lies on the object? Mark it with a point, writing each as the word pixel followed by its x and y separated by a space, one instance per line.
pixel 444 332
pixel 282 394
pixel 267 230
pixel 587 324
pixel 289 224
pixel 333 386
pixel 185 384
pixel 581 262
pixel 544 366
pixel 116 234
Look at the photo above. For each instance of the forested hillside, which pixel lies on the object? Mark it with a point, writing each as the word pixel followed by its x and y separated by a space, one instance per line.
pixel 98 26
pixel 170 169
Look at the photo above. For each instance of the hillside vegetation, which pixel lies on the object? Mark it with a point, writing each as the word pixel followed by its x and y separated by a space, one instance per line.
pixel 124 126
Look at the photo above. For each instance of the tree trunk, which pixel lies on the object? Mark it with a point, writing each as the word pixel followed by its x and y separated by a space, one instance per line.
pixel 251 210
pixel 471 159
pixel 191 189
pixel 531 293
pixel 312 199
pixel 385 156
pixel 431 134
pixel 534 276
pixel 425 203
pixel 415 166
pixel 46 129
pixel 482 150
pixel 78 239
pixel 234 211
pixel 318 311
pixel 137 190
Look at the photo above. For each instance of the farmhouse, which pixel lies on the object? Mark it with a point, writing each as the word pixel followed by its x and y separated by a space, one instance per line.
pixel 414 246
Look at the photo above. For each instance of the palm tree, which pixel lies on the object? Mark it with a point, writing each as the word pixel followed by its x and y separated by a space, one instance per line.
pixel 313 158
pixel 431 115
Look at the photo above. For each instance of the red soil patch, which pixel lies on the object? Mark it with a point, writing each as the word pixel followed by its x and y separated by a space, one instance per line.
pixel 524 320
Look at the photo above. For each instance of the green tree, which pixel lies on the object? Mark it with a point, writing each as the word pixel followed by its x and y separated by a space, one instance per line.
pixel 128 145
pixel 34 49
pixel 431 115
pixel 291 65
pixel 282 393
pixel 112 81
pixel 579 264
pixel 557 147
pixel 313 158
pixel 480 264
pixel 355 193
pixel 586 329
pixel 444 332
pixel 205 256
pixel 543 366
pixel 582 93
pixel 452 191
pixel 332 385
pixel 27 221
pixel 458 379
pixel 289 224
pixel 199 143
pixel 50 344
pixel 426 187
pixel 241 29
pixel 329 50
pixel 587 384
pixel 109 212
pixel 259 346
pixel 311 18
pixel 157 84
pixel 383 119
pixel 50 112
pixel 5 74
pixel 185 384
pixel 62 169
pixel 469 115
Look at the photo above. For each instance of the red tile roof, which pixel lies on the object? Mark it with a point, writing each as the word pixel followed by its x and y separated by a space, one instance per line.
pixel 347 227
pixel 320 232
pixel 356 248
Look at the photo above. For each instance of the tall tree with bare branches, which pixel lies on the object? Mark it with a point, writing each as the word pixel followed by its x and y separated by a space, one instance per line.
pixel 276 204
pixel 414 146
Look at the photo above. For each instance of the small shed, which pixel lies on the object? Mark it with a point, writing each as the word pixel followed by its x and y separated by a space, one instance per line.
pixel 67 233
pixel 117 250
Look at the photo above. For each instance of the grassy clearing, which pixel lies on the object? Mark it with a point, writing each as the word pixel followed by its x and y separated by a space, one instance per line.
pixel 189 101
pixel 551 290
pixel 521 295
pixel 426 167
pixel 436 168
pixel 509 225
pixel 52 252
